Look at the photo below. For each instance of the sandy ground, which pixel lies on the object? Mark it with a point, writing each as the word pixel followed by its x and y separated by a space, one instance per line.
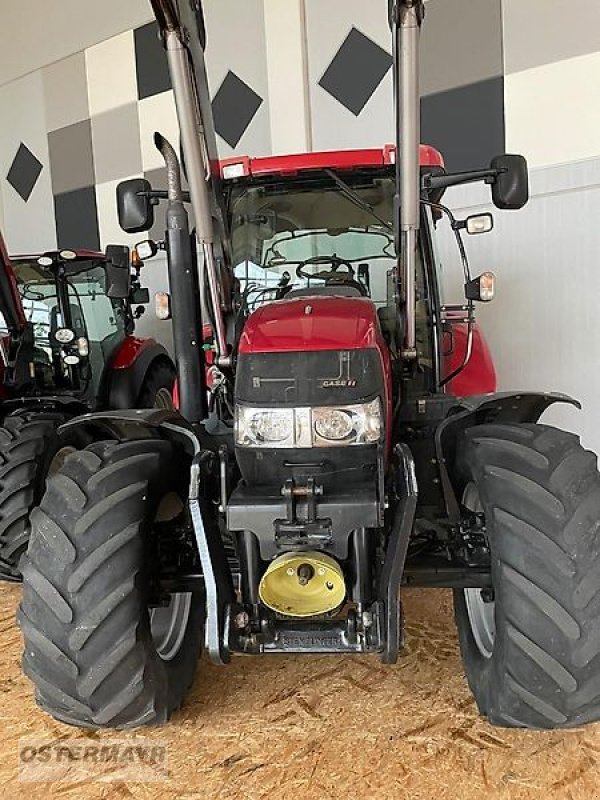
pixel 322 727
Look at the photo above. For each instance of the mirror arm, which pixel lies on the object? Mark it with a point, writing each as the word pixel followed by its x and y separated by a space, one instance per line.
pixel 162 194
pixel 430 182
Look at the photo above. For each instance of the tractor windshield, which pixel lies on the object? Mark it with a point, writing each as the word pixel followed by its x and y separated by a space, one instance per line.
pixel 285 230
pixel 94 316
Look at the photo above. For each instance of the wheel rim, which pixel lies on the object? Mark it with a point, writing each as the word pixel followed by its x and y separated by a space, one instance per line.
pixel 163 399
pixel 168 625
pixel 481 613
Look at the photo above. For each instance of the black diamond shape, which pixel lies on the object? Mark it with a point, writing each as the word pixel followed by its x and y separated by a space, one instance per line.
pixel 24 172
pixel 356 71
pixel 234 107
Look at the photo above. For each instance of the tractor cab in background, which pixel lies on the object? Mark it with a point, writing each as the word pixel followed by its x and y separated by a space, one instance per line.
pixel 67 347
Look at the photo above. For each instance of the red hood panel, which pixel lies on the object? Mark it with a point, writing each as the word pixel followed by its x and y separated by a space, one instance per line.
pixel 312 323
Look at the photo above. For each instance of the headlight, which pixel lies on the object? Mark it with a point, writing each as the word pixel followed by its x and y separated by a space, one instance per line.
pixel 309 427
pixel 64 335
pixel 333 424
pixel 264 426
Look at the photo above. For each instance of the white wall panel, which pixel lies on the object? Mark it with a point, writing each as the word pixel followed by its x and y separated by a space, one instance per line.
pixel 328 25
pixel 28 226
pixel 542 31
pixel 236 41
pixel 543 327
pixel 553 112
pixel 287 65
pixel 36 33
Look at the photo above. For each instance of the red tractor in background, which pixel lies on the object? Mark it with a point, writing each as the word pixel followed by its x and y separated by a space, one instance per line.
pixel 68 346
pixel 332 464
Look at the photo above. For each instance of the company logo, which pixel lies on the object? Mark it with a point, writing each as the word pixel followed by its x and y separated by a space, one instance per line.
pixel 311 641
pixel 136 759
pixel 339 383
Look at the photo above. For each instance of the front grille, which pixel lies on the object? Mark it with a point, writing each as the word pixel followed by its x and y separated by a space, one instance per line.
pixel 316 378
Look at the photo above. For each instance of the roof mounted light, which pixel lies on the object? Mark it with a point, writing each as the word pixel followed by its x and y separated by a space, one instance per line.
pixel 232 171
pixel 68 255
pixel 45 261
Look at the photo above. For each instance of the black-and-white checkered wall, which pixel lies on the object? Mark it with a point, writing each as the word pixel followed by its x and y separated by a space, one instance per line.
pixel 85 123
pixel 462 81
pixel 496 75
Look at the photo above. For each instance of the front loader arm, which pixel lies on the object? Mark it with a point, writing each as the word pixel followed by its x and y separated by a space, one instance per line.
pixel 181 24
pixel 406 17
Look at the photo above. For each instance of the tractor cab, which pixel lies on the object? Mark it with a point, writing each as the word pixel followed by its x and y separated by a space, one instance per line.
pixel 317 225
pixel 69 315
pixel 321 225
pixel 76 325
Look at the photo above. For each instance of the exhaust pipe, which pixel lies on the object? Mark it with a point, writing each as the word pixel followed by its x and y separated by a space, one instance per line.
pixel 406 17
pixel 183 277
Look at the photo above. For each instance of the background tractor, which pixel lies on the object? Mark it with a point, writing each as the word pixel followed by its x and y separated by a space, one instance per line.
pixel 68 347
pixel 337 458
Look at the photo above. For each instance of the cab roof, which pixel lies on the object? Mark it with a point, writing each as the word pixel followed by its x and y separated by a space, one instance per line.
pixel 244 166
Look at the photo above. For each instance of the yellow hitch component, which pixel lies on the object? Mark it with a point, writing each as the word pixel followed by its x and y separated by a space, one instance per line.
pixel 303 584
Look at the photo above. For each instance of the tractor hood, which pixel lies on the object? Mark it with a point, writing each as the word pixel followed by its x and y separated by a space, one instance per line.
pixel 312 324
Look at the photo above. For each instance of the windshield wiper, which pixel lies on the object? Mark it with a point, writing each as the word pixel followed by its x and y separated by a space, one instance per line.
pixel 357 200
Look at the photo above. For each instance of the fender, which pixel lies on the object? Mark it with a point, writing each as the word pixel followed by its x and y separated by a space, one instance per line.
pixel 43 403
pixel 129 424
pixel 125 373
pixel 467 412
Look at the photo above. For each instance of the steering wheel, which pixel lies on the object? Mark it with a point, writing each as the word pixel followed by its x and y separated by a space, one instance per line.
pixel 333 274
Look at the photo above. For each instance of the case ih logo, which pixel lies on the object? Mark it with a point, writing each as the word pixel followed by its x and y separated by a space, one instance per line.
pixel 339 383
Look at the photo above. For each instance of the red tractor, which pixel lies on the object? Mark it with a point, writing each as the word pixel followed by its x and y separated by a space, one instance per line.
pixel 67 348
pixel 335 460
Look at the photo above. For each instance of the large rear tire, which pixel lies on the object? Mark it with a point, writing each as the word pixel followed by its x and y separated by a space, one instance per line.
pixel 531 649
pixel 28 444
pixel 98 655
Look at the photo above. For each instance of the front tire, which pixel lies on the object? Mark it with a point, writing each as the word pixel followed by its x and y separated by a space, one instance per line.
pixel 29 442
pixel 96 652
pixel 534 661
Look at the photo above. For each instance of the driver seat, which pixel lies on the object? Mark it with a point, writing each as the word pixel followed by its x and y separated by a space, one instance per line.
pixel 331 291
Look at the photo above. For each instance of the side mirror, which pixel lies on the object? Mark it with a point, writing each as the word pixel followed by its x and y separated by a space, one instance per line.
pixel 118 272
pixel 481 289
pixel 510 189
pixel 134 206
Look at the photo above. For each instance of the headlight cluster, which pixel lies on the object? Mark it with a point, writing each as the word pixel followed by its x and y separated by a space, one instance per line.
pixel 329 426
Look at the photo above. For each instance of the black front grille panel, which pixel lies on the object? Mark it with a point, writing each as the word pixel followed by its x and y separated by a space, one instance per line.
pixel 312 379
pixel 316 378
